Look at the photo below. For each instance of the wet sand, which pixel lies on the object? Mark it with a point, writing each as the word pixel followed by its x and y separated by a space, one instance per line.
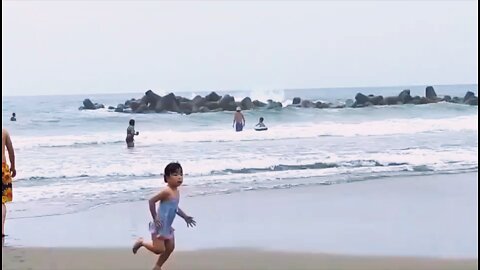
pixel 219 259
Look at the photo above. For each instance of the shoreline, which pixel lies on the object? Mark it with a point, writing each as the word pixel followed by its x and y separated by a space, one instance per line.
pixel 426 216
pixel 226 259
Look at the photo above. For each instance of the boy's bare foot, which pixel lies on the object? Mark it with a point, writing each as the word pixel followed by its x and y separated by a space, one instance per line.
pixel 137 245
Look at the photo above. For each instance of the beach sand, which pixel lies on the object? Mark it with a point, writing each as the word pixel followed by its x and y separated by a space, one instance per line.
pixel 221 259
pixel 421 222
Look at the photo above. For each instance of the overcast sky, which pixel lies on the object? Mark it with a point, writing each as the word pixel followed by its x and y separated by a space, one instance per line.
pixel 66 47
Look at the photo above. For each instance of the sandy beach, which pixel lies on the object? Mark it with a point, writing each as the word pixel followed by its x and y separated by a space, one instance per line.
pixel 226 259
pixel 427 222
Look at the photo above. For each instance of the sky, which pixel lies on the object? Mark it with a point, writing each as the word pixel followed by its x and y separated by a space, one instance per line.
pixel 73 47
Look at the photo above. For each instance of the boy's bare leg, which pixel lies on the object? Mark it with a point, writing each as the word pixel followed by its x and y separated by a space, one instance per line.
pixel 169 247
pixel 138 244
pixel 4 215
pixel 157 246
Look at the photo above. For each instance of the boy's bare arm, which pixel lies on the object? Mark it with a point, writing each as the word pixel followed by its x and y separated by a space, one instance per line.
pixel 11 153
pixel 181 213
pixel 188 219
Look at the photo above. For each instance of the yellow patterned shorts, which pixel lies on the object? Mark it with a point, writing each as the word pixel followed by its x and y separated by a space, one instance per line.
pixel 6 184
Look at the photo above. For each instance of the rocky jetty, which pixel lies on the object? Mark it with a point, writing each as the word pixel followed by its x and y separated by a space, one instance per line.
pixel 153 103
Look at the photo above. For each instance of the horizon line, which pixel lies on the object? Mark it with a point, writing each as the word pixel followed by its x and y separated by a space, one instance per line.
pixel 236 90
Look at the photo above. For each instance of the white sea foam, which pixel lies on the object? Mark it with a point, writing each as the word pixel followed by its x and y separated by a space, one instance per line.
pixel 276 132
pixel 78 159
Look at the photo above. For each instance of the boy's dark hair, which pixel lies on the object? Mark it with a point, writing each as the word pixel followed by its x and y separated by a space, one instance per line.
pixel 171 168
pixel 13 114
pixel 261 119
pixel 132 122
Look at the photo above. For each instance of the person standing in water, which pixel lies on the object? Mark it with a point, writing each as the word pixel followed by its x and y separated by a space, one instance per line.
pixel 7 174
pixel 260 126
pixel 130 133
pixel 238 120
pixel 14 117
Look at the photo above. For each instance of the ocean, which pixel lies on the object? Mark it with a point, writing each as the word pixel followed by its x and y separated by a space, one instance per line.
pixel 70 160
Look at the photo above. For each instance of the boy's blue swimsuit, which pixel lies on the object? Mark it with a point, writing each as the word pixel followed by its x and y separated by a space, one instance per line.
pixel 166 213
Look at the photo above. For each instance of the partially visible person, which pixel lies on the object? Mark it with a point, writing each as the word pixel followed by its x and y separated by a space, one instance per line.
pixel 8 172
pixel 260 126
pixel 238 120
pixel 130 133
pixel 163 239
pixel 14 117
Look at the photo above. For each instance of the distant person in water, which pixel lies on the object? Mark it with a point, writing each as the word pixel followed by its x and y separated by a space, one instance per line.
pixel 130 133
pixel 163 238
pixel 260 126
pixel 238 120
pixel 14 117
